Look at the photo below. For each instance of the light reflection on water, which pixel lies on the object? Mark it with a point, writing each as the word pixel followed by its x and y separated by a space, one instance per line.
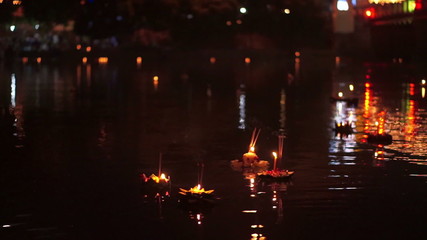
pixel 86 131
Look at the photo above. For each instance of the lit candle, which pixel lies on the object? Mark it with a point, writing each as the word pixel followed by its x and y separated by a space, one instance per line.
pixel 250 157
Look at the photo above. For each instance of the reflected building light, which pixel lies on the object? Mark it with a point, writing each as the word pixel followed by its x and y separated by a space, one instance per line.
pixel 249 211
pixel 13 90
pixel 367 105
pixel 337 163
pixel 423 92
pixel 88 75
pixel 199 219
pixel 411 89
pixel 297 67
pixel 343 188
pixel 242 107
pixel 156 82
pixel 382 2
pixel 417 175
pixel 282 109
pixel 257 226
pixel 209 91
pixel 252 183
pixel 340 108
pixel 381 122
pixel 410 120
pixel 79 75
pixel 337 61
pixel 338 176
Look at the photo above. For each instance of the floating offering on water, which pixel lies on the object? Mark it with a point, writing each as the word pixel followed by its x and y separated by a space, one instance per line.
pixel 276 173
pixel 250 159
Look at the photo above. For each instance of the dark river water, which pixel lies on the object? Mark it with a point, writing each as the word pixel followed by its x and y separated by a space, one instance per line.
pixel 76 136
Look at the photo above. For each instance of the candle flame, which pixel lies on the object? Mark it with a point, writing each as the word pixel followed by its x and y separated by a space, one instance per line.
pixel 156 179
pixel 195 190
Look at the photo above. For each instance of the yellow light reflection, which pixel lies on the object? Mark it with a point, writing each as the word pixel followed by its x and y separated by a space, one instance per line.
pixel 88 75
pixel 423 92
pixel 139 60
pixel 297 67
pixel 282 109
pixel 410 124
pixel 156 82
pixel 381 122
pixel 382 2
pixel 103 60
pixel 249 211
pixel 351 87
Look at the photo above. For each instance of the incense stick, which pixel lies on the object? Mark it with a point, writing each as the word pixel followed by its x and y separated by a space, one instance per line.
pixel 160 163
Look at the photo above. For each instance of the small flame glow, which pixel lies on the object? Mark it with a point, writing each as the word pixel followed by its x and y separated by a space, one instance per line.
pixel 195 190
pixel 156 179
